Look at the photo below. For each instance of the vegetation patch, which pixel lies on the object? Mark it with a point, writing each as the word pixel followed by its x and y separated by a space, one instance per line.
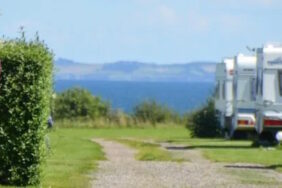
pixel 150 151
pixel 203 123
pixel 79 103
pixel 253 177
pixel 77 107
pixel 153 112
pixel 72 158
pixel 232 151
pixel 163 132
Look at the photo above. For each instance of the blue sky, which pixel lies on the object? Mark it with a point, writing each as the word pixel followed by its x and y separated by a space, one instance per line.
pixel 160 31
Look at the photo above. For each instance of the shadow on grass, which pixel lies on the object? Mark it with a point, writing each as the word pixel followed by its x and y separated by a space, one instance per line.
pixel 207 147
pixel 255 167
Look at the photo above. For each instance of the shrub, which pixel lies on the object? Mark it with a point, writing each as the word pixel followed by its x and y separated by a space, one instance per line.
pixel 204 123
pixel 25 92
pixel 121 119
pixel 151 111
pixel 78 102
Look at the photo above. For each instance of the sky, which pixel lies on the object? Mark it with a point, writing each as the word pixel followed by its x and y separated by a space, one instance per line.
pixel 159 31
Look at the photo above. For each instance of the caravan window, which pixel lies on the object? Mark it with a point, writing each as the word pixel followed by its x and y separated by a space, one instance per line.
pixel 280 81
pixel 259 80
pixel 261 85
pixel 257 86
pixel 217 90
pixel 223 90
pixel 235 88
pixel 253 89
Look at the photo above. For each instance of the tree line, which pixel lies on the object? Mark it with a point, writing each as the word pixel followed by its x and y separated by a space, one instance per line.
pixel 79 104
pixel 77 107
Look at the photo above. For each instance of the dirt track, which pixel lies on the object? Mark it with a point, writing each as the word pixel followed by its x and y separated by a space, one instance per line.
pixel 121 170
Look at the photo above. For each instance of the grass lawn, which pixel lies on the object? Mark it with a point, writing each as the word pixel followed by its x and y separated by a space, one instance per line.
pixel 159 133
pixel 220 150
pixel 72 158
pixel 252 177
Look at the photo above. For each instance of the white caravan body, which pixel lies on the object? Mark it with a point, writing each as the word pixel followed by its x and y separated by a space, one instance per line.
pixel 224 92
pixel 244 89
pixel 269 88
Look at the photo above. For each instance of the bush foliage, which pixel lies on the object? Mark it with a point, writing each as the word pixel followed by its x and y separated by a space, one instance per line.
pixel 25 93
pixel 77 107
pixel 77 103
pixel 151 111
pixel 203 123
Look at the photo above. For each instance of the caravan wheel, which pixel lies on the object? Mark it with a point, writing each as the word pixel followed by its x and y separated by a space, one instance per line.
pixel 267 138
pixel 240 135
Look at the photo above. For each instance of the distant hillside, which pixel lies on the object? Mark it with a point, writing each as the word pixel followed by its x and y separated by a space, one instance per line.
pixel 135 71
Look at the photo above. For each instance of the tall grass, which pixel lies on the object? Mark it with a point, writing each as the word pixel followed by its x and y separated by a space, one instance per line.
pixel 106 123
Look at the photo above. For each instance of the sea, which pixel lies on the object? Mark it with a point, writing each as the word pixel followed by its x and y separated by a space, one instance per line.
pixel 180 96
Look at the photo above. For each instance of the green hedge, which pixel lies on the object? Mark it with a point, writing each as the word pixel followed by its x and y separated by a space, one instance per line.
pixel 25 93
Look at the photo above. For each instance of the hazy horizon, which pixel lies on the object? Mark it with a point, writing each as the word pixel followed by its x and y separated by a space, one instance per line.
pixel 134 61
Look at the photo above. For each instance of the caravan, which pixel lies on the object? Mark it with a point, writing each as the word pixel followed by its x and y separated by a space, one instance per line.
pixel 244 92
pixel 224 92
pixel 269 90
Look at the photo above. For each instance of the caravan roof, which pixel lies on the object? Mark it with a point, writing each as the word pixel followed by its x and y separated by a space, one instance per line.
pixel 225 69
pixel 245 65
pixel 272 48
pixel 229 63
pixel 270 56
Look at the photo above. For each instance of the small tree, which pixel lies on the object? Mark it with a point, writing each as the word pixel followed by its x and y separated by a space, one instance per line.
pixel 78 102
pixel 25 92
pixel 204 123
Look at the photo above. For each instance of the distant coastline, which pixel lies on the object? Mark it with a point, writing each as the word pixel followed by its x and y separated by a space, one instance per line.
pixel 135 71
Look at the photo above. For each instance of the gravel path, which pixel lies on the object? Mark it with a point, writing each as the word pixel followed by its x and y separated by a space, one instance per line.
pixel 121 170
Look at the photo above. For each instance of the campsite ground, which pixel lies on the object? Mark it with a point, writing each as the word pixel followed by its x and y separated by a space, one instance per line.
pixel 74 158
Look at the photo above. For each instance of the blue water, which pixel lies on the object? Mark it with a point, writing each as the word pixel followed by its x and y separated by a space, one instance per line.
pixel 182 97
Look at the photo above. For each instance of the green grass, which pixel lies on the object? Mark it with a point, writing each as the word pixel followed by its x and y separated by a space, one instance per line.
pixel 72 158
pixel 149 151
pixel 252 177
pixel 220 150
pixel 158 133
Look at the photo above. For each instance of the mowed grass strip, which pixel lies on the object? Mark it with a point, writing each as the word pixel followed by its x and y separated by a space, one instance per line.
pixel 71 160
pixel 232 151
pixel 149 151
pixel 155 133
